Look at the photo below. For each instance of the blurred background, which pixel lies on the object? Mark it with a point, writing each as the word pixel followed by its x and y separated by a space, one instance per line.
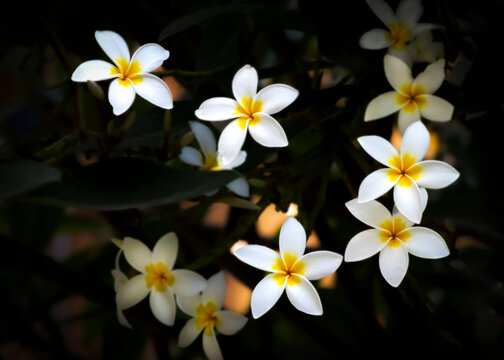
pixel 72 176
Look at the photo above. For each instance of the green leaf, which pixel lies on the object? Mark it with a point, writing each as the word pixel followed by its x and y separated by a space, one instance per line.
pixel 238 202
pixel 21 176
pixel 125 183
pixel 187 21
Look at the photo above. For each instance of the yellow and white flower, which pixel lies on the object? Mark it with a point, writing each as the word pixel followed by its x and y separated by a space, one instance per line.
pixel 393 236
pixel 131 75
pixel 411 97
pixel 212 159
pixel 406 172
pixel 290 271
pixel 207 317
pixel 402 25
pixel 251 111
pixel 156 277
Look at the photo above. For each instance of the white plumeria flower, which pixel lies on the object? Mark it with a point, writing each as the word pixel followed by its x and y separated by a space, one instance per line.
pixel 251 110
pixel 131 75
pixel 208 317
pixel 291 271
pixel 212 159
pixel 406 173
pixel 412 98
pixel 157 277
pixel 424 49
pixel 402 26
pixel 393 236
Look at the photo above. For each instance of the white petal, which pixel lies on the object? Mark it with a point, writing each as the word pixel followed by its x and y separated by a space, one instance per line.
pixel 426 243
pixel 432 77
pixel 150 57
pixel 237 161
pixel 375 185
pixel 166 250
pixel 93 70
pixel 231 140
pixel 364 245
pixel 187 282
pixel 215 291
pixel 113 45
pixel 132 292
pixel 276 97
pixel 394 264
pixel 120 97
pixel 379 148
pixel 154 90
pixel 162 304
pixel 374 39
pixel 119 279
pixel 211 347
pixel 319 264
pixel 409 11
pixel 137 254
pixel 304 297
pixel 188 304
pixel 397 213
pixel 397 72
pixel 191 156
pixel 205 137
pixel 382 10
pixel 188 334
pixel 239 186
pixel 245 83
pixel 415 141
pixel 405 54
pixel 122 319
pixel 230 322
pixel 268 132
pixel 405 119
pixel 436 109
pixel 258 256
pixel 381 106
pixel 371 213
pixel 218 108
pixel 424 197
pixel 265 295
pixel 436 174
pixel 292 238
pixel 408 201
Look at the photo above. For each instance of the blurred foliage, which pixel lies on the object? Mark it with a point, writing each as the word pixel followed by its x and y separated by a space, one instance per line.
pixel 69 167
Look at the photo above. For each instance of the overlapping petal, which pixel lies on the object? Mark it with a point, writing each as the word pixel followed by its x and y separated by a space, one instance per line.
pixel 150 57
pixel 132 292
pixel 374 39
pixel 187 282
pixel 94 70
pixel 120 97
pixel 137 254
pixel 238 160
pixel 276 97
pixel 245 83
pixel 380 149
pixel 258 256
pixel 436 109
pixel 375 185
pixel 319 264
pixel 191 156
pixel 154 90
pixel 230 322
pixel 162 304
pixel 188 303
pixel 432 77
pixel 265 295
pixel 268 132
pixel 381 106
pixel 113 45
pixel 436 174
pixel 215 291
pixel 292 238
pixel 364 245
pixel 218 108
pixel 205 137
pixel 397 72
pixel 371 213
pixel 426 243
pixel 304 297
pixel 405 119
pixel 394 264
pixel 408 201
pixel 231 140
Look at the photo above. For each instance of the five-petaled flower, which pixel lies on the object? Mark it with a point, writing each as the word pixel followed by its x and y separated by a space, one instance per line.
pixel 131 76
pixel 412 98
pixel 251 110
pixel 291 271
pixel 212 159
pixel 393 236
pixel 157 277
pixel 402 26
pixel 207 316
pixel 406 173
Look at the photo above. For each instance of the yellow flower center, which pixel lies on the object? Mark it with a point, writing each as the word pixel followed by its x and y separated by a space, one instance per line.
pixel 206 317
pixel 289 267
pixel 411 97
pixel 394 232
pixel 405 168
pixel 211 163
pixel 247 111
pixel 399 34
pixel 158 276
pixel 127 71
